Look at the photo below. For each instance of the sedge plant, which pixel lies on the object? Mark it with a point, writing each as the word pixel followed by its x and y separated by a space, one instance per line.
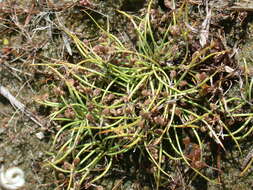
pixel 156 96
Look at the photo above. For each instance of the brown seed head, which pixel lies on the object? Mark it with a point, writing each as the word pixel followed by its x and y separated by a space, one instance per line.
pixel 99 49
pixel 146 93
pixel 129 109
pixel 201 76
pixel 90 117
pixel 203 129
pixel 90 106
pixel 145 115
pixel 160 120
pixel 69 113
pixel 186 141
pixel 96 92
pixel 61 176
pixel 147 102
pixel 110 97
pixel 119 112
pixel 178 112
pixel 87 90
pixel 76 161
pixel 58 91
pixel 199 164
pixel 173 74
pixel 106 111
pixel 175 30
pixel 67 166
pixel 141 124
pixel 113 112
pixel 183 83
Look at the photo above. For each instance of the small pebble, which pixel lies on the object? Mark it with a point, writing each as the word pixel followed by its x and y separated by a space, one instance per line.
pixel 40 135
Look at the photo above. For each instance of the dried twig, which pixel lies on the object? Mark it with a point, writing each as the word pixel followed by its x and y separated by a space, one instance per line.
pixel 247 162
pixel 243 5
pixel 18 105
pixel 204 32
pixel 204 29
